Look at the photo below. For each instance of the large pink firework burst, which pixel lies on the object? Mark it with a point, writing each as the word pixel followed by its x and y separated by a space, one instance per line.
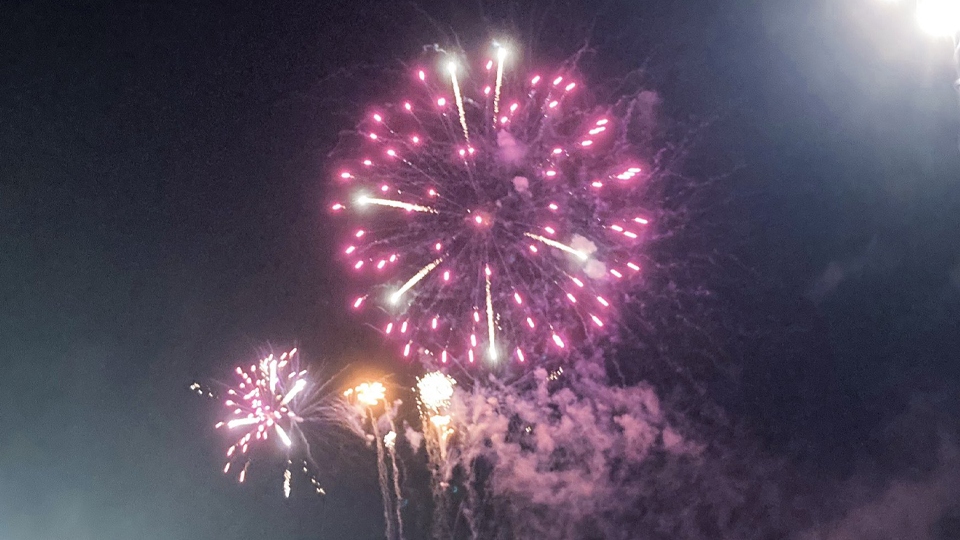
pixel 495 220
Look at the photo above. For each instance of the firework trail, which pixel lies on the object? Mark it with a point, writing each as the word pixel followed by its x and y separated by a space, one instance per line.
pixel 273 398
pixel 390 442
pixel 365 397
pixel 492 212
pixel 434 391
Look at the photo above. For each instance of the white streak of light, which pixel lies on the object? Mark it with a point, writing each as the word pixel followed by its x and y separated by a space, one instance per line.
pixel 241 422
pixel 297 387
pixel 563 247
pixel 363 199
pixel 283 435
pixel 456 92
pixel 395 297
pixel 501 55
pixel 490 331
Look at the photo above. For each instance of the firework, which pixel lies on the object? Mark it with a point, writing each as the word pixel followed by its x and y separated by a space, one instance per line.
pixel 365 397
pixel 266 407
pixel 492 212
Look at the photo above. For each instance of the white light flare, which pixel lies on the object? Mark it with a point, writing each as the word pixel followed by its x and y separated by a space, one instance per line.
pixel 939 17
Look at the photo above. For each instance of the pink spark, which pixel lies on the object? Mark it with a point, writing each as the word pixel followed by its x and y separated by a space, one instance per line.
pixel 572 298
pixel 603 301
pixel 470 355
pixel 602 122
pixel 629 234
pixel 406 350
pixel 535 80
pixel 577 281
pixel 533 248
pixel 337 206
pixel 633 266
pixel 381 264
pixel 641 220
pixel 422 75
pixel 513 107
pixel 549 230
pixel 487 271
pixel 516 296
pixel 557 81
pixel 358 265
pixel 553 104
pixel 367 162
pixel 558 341
pixel 617 228
pixel 476 316
pixel 597 321
pixel 557 151
pixel 473 340
pixel 553 206
pixel 486 90
pixel 415 139
pixel 520 355
pixel 432 192
pixel 586 143
pixel 358 302
pixel 373 136
pixel 570 87
pixel 403 327
pixel 359 233
pixel 433 323
pixel 391 152
pixel 378 118
pixel 446 275
pixel 597 184
pixel 616 273
pixel 345 175
pixel 389 327
pixel 551 173
pixel 478 219
pixel 407 106
pixel 441 102
pixel 443 356
pixel 438 246
pixel 530 323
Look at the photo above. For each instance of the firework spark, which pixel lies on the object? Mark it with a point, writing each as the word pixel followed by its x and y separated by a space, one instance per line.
pixel 493 212
pixel 271 398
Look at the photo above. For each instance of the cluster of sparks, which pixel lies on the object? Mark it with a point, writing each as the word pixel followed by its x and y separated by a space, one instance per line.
pixel 491 221
pixel 434 391
pixel 264 403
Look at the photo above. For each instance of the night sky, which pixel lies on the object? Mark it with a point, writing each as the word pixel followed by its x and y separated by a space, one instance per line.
pixel 162 193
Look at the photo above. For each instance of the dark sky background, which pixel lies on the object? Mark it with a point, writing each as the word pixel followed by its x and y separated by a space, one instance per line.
pixel 161 216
